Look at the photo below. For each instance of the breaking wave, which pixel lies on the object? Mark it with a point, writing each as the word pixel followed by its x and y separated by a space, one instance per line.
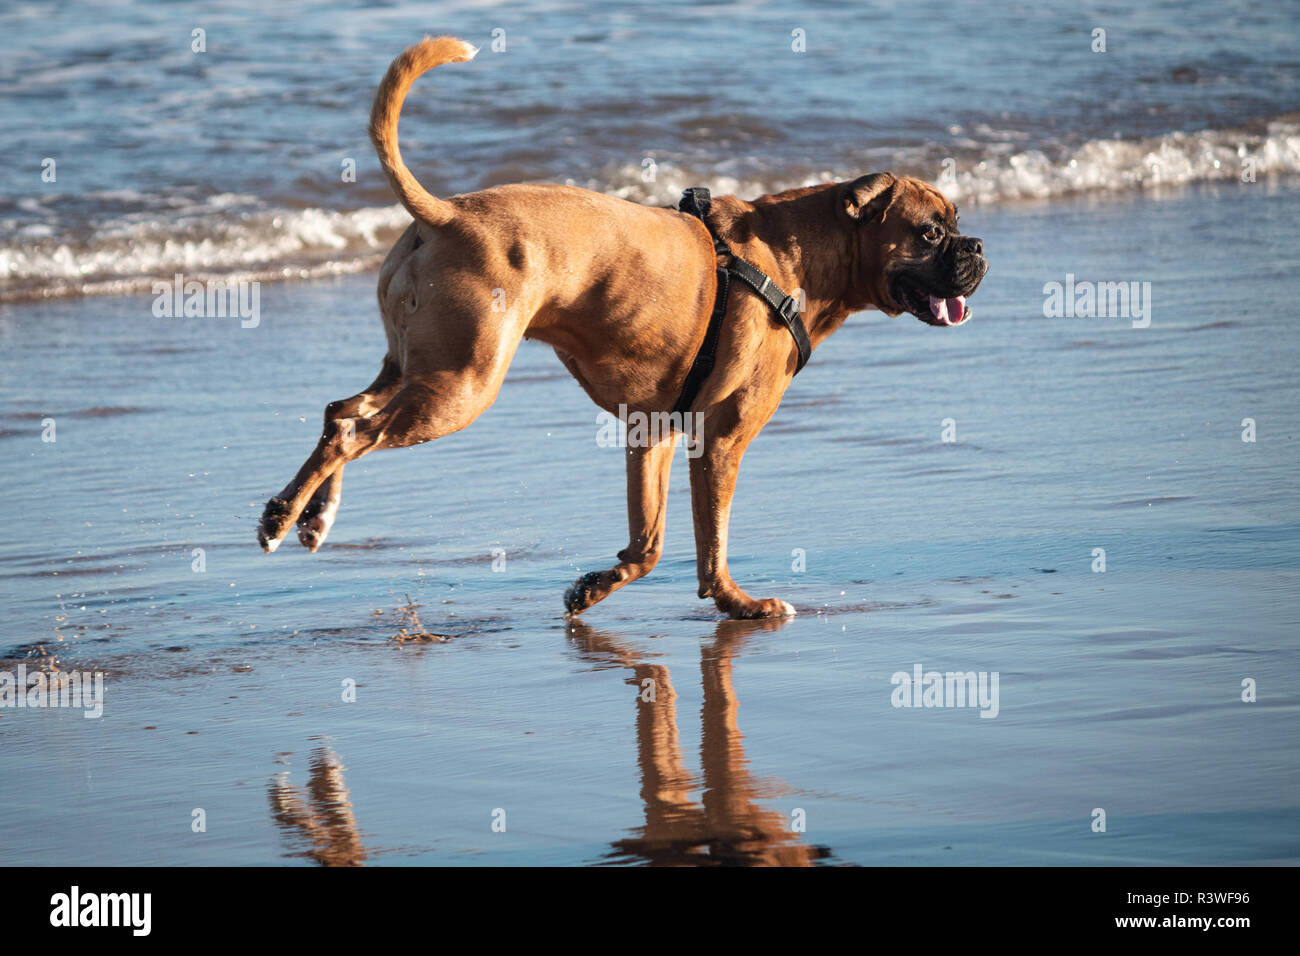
pixel 123 242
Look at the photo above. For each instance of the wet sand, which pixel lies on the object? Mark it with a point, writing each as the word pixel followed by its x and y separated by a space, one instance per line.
pixel 1118 690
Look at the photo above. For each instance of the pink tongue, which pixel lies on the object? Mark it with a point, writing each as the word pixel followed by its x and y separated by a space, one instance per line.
pixel 949 311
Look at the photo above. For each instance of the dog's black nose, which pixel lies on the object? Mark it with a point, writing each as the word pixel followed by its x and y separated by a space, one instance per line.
pixel 972 245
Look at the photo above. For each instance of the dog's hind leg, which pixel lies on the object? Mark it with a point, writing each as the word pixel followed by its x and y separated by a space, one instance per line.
pixel 428 405
pixel 647 493
pixel 318 517
pixel 408 419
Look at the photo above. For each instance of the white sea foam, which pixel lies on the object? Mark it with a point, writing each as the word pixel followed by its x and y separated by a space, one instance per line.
pixel 1000 174
pixel 1108 165
pixel 126 254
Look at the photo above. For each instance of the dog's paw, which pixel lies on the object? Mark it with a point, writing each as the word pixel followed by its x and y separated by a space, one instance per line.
pixel 581 593
pixel 773 607
pixel 756 610
pixel 274 524
pixel 315 522
pixel 312 532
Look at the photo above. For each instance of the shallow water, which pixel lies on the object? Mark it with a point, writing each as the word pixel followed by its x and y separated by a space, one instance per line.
pixel 1118 690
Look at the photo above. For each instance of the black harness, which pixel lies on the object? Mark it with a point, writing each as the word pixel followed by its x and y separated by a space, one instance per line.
pixel 696 202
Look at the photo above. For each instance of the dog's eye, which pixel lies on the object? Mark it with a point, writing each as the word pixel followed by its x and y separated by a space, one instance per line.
pixel 931 234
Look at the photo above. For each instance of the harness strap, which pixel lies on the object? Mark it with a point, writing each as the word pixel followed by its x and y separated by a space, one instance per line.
pixel 785 306
pixel 697 201
pixel 704 358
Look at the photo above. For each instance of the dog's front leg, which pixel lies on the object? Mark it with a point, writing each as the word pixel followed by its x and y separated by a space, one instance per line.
pixel 713 480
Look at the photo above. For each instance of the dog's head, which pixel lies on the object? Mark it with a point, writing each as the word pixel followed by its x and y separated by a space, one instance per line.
pixel 915 253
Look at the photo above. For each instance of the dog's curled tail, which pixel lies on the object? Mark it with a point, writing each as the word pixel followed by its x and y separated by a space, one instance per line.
pixel 418 59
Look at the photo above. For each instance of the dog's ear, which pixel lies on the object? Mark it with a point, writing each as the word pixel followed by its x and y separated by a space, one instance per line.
pixel 867 197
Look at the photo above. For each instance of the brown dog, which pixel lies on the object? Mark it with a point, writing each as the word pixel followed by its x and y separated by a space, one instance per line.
pixel 623 293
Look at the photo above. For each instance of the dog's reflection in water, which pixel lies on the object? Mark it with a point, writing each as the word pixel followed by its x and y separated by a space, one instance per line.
pixel 727 826
pixel 321 815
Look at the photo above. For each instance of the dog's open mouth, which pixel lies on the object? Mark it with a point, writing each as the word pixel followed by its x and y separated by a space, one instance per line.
pixel 933 309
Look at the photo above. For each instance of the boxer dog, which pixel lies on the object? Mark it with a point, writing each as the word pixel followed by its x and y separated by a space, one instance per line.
pixel 623 293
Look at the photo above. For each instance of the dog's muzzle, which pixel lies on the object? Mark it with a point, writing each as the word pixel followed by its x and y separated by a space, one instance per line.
pixel 943 302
